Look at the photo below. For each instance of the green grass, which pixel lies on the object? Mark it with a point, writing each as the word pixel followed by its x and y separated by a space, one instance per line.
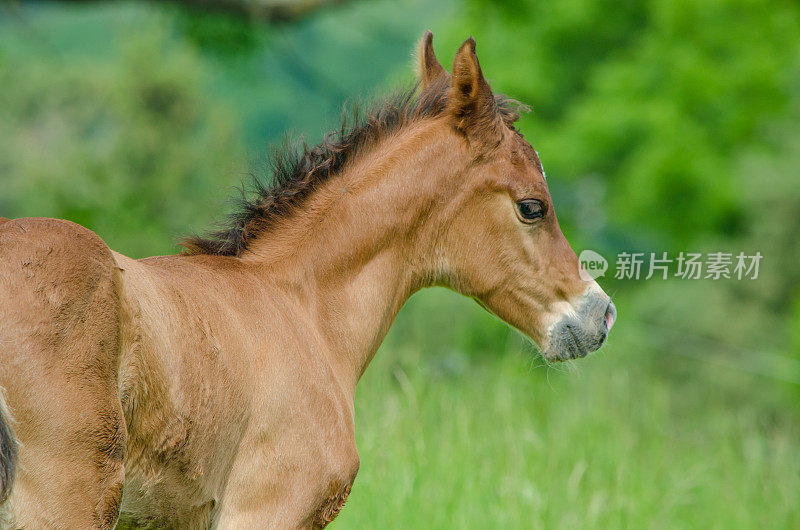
pixel 623 439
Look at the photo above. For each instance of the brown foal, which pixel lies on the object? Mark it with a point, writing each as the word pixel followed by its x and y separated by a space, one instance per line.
pixel 214 389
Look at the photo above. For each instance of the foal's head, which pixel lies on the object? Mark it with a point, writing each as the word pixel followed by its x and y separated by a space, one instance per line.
pixel 462 191
pixel 501 243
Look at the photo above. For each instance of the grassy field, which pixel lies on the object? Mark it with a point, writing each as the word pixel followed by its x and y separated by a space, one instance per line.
pixel 471 439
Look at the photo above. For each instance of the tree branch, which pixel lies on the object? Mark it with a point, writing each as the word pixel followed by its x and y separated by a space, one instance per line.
pixel 263 10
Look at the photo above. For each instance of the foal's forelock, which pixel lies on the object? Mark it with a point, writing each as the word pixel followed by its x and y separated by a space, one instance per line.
pixel 297 170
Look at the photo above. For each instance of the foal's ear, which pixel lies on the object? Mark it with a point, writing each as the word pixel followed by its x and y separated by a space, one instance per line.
pixel 470 98
pixel 429 67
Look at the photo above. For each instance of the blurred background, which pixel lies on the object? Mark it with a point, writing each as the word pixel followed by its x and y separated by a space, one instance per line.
pixel 664 126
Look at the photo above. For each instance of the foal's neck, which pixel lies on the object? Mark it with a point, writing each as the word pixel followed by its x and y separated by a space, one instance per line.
pixel 364 242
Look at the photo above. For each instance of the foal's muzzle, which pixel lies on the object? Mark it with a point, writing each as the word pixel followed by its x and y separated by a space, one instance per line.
pixel 577 334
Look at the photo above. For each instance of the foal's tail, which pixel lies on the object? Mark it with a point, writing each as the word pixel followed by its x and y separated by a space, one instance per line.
pixel 8 449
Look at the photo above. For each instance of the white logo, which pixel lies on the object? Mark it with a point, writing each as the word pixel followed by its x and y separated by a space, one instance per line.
pixel 592 265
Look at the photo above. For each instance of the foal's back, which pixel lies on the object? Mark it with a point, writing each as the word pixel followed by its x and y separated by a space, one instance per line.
pixel 116 380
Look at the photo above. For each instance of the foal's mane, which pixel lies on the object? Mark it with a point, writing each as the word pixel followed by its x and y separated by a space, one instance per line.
pixel 297 169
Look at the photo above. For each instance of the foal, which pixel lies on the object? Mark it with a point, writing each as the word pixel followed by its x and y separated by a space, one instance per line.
pixel 215 388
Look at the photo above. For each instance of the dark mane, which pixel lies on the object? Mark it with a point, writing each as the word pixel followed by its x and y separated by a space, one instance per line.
pixel 297 170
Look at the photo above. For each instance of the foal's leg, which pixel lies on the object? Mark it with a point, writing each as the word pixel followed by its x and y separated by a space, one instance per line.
pixel 58 365
pixel 70 469
pixel 298 481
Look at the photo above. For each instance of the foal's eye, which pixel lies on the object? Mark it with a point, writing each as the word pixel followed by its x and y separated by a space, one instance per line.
pixel 530 209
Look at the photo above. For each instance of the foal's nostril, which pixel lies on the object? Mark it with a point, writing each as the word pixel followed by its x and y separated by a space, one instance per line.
pixel 611 316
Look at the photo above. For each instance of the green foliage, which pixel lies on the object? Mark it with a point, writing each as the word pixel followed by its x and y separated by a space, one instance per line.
pixel 656 98
pixel 225 35
pixel 130 147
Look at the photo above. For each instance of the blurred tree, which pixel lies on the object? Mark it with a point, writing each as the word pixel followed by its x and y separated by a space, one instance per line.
pixel 272 11
pixel 653 99
pixel 130 148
